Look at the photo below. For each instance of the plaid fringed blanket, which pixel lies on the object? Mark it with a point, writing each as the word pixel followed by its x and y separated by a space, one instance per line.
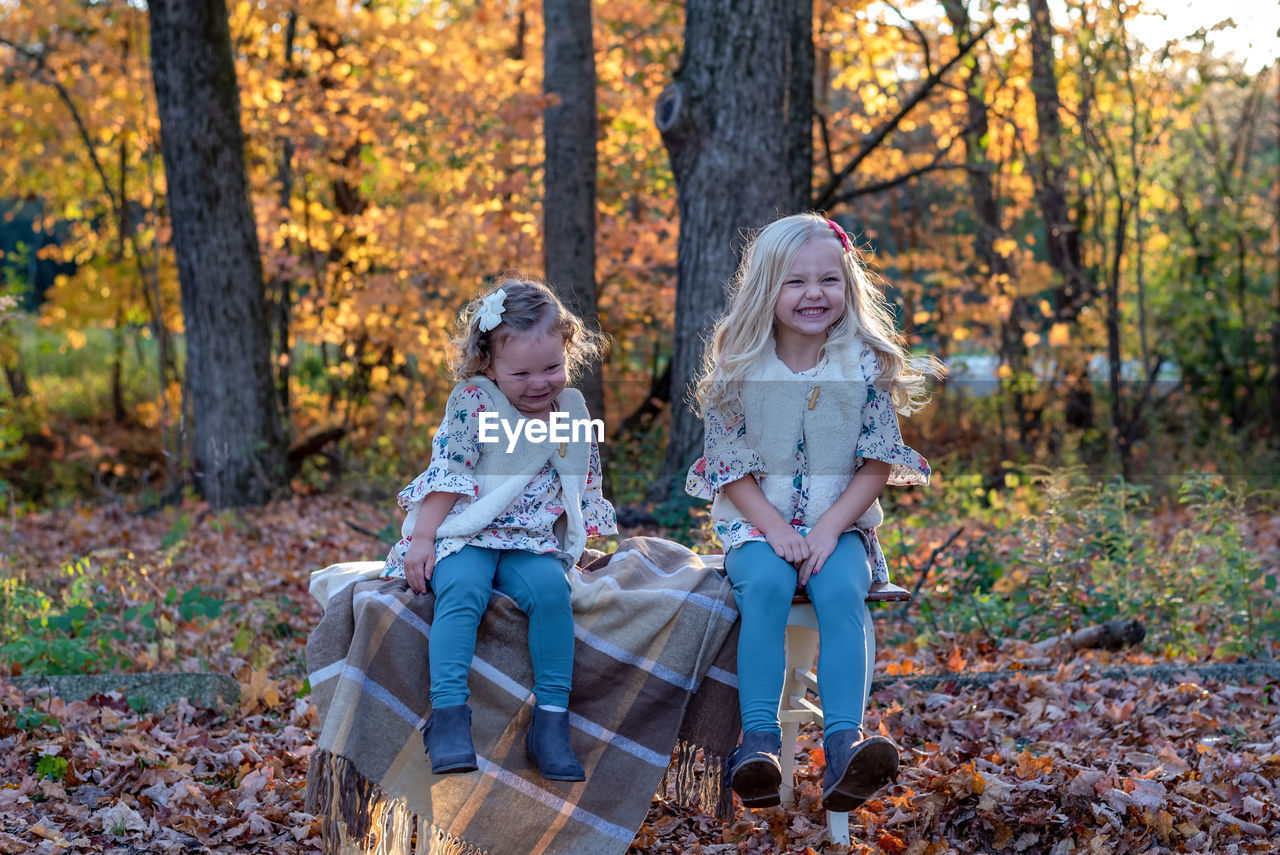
pixel 653 674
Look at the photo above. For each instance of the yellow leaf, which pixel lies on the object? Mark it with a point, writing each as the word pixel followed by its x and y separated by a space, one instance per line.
pixel 51 834
pixel 1004 372
pixel 1059 334
pixel 960 333
pixel 1005 246
pixel 1031 339
pixel 921 317
pixel 1031 766
pixel 258 687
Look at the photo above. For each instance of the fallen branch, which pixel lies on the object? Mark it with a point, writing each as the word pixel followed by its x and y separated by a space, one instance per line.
pixel 1112 635
pixel 1235 673
pixel 313 444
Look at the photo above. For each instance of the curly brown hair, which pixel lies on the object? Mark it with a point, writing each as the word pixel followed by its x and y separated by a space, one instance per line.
pixel 529 305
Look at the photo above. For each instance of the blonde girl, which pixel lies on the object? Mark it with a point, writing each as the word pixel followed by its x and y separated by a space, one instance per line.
pixel 801 386
pixel 506 508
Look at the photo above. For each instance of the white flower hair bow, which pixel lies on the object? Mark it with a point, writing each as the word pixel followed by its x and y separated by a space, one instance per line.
pixel 491 309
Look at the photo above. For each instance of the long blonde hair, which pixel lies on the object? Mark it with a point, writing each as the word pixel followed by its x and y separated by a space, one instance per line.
pixel 744 333
pixel 529 305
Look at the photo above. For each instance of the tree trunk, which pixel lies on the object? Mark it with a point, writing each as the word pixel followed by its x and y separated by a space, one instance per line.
pixel 238 450
pixel 1275 317
pixel 17 379
pixel 724 122
pixel 283 313
pixel 569 200
pixel 1120 422
pixel 800 63
pixel 989 228
pixel 1062 236
pixel 124 226
pixel 118 412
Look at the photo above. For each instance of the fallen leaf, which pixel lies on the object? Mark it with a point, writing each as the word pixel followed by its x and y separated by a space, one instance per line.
pixel 119 818
pixel 53 835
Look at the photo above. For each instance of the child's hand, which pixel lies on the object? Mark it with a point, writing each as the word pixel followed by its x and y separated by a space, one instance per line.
pixel 821 544
pixel 788 544
pixel 420 563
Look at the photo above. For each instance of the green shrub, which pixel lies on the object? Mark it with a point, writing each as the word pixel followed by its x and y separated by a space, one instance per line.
pixel 78 629
pixel 1082 553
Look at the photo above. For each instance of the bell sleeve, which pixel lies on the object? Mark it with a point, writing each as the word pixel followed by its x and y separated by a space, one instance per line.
pixel 598 514
pixel 455 450
pixel 726 457
pixel 880 437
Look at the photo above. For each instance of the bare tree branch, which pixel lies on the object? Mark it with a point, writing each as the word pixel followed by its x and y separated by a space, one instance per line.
pixel 870 143
pixel 934 165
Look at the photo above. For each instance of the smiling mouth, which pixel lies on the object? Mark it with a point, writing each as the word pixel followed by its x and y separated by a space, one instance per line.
pixel 812 311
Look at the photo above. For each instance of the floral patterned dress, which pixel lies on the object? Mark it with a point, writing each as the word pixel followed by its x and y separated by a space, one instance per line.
pixel 727 457
pixel 527 523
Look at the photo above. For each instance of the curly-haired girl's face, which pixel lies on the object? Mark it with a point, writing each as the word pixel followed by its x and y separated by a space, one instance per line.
pixel 529 368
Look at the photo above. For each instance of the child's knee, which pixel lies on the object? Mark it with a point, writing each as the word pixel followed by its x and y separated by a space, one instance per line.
pixel 460 590
pixel 768 593
pixel 549 596
pixel 547 592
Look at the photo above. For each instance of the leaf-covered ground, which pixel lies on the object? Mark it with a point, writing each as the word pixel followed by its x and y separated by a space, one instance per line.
pixel 1056 762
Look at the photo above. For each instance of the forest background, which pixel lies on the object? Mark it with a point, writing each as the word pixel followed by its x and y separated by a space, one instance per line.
pixel 1084 225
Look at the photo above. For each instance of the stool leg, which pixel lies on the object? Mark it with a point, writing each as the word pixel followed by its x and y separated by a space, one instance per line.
pixel 802 647
pixel 838 827
pixel 790 730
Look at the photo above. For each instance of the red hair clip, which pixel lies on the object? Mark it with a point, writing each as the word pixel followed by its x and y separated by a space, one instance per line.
pixel 844 238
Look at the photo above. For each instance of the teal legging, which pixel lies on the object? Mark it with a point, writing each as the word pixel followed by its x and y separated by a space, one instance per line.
pixel 763 585
pixel 463 582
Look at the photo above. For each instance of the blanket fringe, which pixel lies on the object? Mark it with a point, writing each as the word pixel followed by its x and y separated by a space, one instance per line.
pixel 701 783
pixel 359 818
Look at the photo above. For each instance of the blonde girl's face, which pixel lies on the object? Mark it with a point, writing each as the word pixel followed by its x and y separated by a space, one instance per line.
pixel 529 368
pixel 811 298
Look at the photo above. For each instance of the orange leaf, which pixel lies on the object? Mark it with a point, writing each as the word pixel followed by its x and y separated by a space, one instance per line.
pixel 1030 766
pixel 889 843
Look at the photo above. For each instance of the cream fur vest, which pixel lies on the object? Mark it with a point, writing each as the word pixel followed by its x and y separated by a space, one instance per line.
pixel 501 477
pixel 781 407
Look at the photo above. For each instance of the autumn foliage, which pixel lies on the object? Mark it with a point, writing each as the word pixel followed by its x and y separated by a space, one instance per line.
pixel 394 152
pixel 394 155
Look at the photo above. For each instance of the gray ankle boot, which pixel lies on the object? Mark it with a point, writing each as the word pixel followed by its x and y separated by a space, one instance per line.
pixel 547 745
pixel 856 769
pixel 755 772
pixel 447 738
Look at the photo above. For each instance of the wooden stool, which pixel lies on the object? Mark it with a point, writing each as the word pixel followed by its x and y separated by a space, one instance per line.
pixel 802 650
